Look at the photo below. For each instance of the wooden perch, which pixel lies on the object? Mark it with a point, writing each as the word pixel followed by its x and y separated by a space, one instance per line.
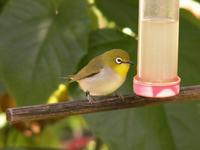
pixel 64 109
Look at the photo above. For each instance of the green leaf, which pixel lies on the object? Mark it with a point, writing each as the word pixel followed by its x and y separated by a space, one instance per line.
pixel 164 127
pixel 40 42
pixel 188 49
pixel 197 0
pixel 2 88
pixel 106 39
pixel 124 13
pixel 2 4
pixel 190 18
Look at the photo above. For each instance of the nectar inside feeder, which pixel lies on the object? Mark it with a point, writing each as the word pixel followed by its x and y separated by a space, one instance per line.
pixel 158 49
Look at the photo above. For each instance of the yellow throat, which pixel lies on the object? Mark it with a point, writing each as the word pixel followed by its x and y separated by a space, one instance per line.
pixel 122 69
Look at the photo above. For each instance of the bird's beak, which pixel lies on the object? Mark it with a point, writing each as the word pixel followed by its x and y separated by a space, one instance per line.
pixel 128 62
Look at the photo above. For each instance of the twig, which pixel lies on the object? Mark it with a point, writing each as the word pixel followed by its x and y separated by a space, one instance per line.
pixel 64 109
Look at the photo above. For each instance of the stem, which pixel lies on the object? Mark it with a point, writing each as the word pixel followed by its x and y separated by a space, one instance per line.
pixel 64 109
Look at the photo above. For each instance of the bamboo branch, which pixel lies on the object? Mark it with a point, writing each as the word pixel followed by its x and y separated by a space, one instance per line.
pixel 64 109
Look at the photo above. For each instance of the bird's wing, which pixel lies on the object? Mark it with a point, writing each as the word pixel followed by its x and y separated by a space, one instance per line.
pixel 91 69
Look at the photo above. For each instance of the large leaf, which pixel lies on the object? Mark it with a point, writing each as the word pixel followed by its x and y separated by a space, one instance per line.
pixel 2 88
pixel 164 127
pixel 124 13
pixel 2 4
pixel 189 63
pixel 41 40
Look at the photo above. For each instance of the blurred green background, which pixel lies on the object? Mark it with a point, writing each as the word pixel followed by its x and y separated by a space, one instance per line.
pixel 43 40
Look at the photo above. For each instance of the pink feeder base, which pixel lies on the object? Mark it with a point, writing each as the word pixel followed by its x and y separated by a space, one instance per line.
pixel 156 90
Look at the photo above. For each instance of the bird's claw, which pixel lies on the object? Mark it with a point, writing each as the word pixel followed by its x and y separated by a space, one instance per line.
pixel 120 96
pixel 89 97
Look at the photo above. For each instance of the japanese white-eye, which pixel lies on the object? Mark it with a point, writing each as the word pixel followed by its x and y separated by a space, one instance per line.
pixel 104 74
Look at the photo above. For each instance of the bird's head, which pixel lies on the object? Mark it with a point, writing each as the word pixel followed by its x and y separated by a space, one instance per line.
pixel 118 60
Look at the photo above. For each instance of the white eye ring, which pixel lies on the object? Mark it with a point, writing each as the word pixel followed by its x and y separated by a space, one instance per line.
pixel 118 60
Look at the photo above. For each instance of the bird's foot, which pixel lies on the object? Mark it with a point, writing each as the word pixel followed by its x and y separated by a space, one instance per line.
pixel 89 97
pixel 120 96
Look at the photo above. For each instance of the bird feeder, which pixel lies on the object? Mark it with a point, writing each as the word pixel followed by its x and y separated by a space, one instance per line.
pixel 158 49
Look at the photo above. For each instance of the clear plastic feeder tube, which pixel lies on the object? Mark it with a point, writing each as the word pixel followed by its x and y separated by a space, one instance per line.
pixel 158 49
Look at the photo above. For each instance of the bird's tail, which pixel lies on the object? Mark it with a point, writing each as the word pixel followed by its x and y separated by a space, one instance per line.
pixel 69 78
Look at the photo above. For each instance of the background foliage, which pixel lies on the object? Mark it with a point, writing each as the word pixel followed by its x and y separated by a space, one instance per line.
pixel 41 41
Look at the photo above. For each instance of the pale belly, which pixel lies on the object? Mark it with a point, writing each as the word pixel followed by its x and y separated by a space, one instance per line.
pixel 103 83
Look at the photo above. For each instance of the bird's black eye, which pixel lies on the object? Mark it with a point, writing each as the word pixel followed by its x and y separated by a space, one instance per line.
pixel 118 60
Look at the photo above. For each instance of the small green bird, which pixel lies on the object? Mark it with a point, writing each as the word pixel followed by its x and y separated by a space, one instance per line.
pixel 103 74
